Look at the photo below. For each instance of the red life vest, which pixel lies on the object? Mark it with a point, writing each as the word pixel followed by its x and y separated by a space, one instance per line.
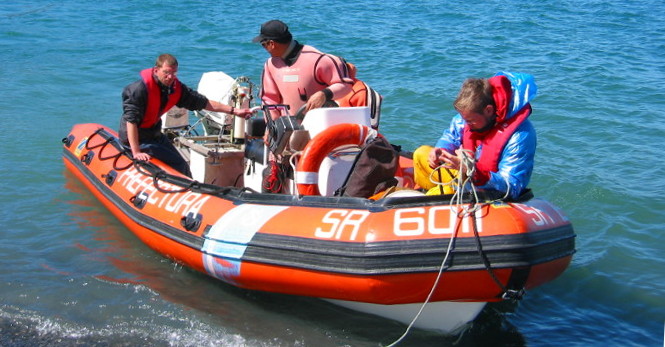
pixel 152 108
pixel 494 140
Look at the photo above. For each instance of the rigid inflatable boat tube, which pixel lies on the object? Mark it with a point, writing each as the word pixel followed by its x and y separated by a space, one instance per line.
pixel 307 170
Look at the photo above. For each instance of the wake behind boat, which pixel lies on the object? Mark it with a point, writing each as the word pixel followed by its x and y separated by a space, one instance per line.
pixel 389 255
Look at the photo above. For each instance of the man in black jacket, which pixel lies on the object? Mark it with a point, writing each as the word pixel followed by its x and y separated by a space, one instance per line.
pixel 143 103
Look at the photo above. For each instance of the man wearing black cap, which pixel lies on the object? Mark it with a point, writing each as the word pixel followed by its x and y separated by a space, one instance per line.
pixel 297 74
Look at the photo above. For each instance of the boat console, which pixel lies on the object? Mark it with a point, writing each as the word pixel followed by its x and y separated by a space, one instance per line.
pixel 230 151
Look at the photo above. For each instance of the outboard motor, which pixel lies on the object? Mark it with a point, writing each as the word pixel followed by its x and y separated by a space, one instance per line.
pixel 220 87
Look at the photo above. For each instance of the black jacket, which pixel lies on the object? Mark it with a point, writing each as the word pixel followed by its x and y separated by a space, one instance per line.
pixel 135 99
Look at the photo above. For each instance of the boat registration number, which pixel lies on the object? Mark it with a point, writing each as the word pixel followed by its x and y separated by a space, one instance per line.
pixel 346 224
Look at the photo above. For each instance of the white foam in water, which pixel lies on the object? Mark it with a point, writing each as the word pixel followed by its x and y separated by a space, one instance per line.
pixel 26 326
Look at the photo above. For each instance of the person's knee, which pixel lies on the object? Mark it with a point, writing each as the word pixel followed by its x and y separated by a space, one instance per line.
pixel 421 158
pixel 422 152
pixel 421 166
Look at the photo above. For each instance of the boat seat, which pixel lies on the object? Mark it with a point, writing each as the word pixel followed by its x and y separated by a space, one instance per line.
pixel 334 168
pixel 319 119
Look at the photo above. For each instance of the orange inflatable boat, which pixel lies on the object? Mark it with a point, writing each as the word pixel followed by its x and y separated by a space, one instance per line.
pixel 400 256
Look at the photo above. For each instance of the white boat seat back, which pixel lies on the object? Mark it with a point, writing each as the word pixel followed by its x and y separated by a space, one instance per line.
pixel 319 119
pixel 335 168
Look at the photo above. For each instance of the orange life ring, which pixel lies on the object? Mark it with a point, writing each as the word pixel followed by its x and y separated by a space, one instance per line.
pixel 307 170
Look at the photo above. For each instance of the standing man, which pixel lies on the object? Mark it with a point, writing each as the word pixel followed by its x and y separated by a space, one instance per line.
pixel 144 101
pixel 492 124
pixel 297 74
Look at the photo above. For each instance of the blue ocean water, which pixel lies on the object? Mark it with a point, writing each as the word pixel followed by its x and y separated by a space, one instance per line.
pixel 71 274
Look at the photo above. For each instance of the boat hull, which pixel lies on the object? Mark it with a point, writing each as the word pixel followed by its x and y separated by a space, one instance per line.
pixel 446 317
pixel 383 257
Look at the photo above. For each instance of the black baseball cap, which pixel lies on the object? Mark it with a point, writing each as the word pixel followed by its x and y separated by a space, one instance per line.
pixel 275 30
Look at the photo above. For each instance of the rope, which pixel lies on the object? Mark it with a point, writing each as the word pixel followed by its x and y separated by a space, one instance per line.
pixel 109 139
pixel 151 170
pixel 456 200
pixel 274 181
pixel 468 167
pixel 97 132
pixel 442 268
pixel 118 156
pixel 439 182
pixel 462 179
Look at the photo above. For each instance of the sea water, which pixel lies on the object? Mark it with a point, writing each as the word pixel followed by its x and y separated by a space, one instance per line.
pixel 72 274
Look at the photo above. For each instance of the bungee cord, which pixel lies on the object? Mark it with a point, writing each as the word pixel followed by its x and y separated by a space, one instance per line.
pixel 147 168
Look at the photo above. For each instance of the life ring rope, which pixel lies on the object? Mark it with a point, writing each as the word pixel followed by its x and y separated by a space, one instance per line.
pixel 307 170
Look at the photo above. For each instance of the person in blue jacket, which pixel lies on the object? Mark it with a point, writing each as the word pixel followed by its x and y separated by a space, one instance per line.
pixel 492 126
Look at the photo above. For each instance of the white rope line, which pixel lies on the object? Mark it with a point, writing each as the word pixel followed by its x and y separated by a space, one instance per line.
pixel 467 164
pixel 464 177
pixel 434 285
pixel 438 182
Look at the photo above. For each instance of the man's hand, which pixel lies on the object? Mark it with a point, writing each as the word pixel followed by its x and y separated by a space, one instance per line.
pixel 243 112
pixel 141 156
pixel 451 161
pixel 315 101
pixel 433 158
pixel 439 156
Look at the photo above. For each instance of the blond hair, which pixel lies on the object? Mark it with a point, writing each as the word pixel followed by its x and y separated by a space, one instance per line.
pixel 474 96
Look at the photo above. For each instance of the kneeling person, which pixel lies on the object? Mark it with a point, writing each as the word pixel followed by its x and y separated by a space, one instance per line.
pixel 144 101
pixel 492 124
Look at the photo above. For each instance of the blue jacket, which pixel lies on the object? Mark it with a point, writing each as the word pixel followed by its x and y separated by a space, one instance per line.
pixel 517 157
